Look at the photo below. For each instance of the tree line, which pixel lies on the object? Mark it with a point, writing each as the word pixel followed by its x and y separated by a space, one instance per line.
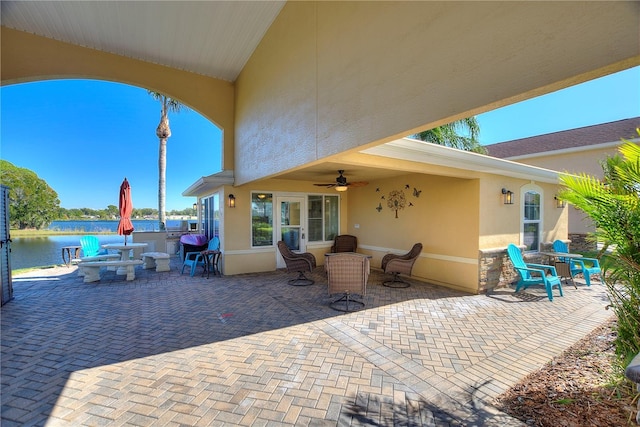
pixel 111 212
pixel 33 204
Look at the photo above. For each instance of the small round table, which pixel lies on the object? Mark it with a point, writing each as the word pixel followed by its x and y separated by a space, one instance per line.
pixel 67 257
pixel 211 262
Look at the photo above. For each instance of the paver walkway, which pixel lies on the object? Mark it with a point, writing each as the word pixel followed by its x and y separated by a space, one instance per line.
pixel 169 349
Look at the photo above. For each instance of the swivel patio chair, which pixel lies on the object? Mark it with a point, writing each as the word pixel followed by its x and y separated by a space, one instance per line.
pixel 347 274
pixel 578 265
pixel 344 243
pixel 194 259
pixel 533 274
pixel 400 264
pixel 299 262
pixel 91 246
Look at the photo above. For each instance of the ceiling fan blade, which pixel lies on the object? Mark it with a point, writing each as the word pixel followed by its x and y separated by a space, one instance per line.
pixel 325 185
pixel 357 184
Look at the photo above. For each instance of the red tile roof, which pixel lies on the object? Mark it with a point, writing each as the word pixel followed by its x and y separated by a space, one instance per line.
pixel 573 138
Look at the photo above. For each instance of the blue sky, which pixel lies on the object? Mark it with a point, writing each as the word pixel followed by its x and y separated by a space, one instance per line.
pixel 83 137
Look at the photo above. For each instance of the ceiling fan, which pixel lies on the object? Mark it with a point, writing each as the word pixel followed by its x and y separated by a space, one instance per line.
pixel 342 184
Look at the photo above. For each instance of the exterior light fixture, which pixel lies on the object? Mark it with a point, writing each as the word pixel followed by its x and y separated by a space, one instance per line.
pixel 341 188
pixel 560 203
pixel 232 201
pixel 195 206
pixel 507 196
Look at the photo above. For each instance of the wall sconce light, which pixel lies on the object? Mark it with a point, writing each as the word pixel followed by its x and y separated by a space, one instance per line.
pixel 232 201
pixel 560 203
pixel 508 196
pixel 195 206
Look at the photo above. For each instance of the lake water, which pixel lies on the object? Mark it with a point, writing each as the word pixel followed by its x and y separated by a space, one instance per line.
pixel 29 252
pixel 104 226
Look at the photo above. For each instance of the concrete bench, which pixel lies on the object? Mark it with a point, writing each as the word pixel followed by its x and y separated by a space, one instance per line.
pixel 159 260
pixel 103 257
pixel 92 268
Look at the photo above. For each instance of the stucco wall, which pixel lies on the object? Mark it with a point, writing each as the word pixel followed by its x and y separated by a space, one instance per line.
pixel 439 212
pixel 330 76
pixel 587 160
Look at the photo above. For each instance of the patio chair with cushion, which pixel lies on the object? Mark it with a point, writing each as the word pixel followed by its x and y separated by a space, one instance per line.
pixel 578 265
pixel 347 274
pixel 534 274
pixel 344 243
pixel 299 262
pixel 194 259
pixel 400 264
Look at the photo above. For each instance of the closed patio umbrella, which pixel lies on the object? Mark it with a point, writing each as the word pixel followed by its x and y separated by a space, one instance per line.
pixel 125 227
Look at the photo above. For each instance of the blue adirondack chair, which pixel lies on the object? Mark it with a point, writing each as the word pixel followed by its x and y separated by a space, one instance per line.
pixel 194 259
pixel 534 274
pixel 577 265
pixel 91 246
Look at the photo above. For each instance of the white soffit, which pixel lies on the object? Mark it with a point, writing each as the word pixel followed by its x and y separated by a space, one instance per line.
pixel 212 38
pixel 209 183
pixel 433 154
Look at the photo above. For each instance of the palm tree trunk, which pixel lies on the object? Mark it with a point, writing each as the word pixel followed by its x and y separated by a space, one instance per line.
pixel 162 183
pixel 163 132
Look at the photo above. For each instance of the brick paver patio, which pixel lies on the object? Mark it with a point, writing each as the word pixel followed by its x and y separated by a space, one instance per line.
pixel 169 349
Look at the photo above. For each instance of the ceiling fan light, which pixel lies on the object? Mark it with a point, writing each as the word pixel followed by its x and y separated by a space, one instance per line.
pixel 341 188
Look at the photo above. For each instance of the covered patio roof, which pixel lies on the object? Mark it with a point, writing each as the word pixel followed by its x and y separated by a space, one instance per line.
pixel 424 156
pixel 161 32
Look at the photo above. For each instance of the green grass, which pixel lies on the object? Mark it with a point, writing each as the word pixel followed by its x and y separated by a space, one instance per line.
pixel 38 233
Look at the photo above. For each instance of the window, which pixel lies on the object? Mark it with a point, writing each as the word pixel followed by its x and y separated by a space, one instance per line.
pixel 261 219
pixel 211 216
pixel 323 217
pixel 531 224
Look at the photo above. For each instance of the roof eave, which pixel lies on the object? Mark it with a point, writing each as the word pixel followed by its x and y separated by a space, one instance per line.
pixel 209 183
pixel 439 155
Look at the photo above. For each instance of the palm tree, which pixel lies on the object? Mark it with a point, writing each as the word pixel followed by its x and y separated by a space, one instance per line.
pixel 163 132
pixel 613 203
pixel 449 136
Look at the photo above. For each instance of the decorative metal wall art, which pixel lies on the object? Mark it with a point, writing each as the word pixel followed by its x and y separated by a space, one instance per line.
pixel 397 200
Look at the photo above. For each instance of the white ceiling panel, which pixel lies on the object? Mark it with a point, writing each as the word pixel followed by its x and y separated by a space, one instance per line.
pixel 162 32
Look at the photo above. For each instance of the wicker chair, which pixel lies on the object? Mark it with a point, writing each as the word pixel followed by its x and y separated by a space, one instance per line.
pixel 344 243
pixel 400 264
pixel 347 274
pixel 298 262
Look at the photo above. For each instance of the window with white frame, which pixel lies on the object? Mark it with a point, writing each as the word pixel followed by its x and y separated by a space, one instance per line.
pixel 323 217
pixel 261 219
pixel 211 216
pixel 531 223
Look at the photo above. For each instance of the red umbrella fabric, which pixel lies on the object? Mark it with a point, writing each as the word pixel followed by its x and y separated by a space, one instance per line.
pixel 125 227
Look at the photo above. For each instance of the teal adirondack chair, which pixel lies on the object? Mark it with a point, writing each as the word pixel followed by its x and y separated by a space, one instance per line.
pixel 577 266
pixel 91 246
pixel 533 274
pixel 194 259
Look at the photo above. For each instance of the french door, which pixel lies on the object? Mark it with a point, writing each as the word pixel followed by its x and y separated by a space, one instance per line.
pixel 290 224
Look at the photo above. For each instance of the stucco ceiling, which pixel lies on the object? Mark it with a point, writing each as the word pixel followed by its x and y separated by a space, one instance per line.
pixel 161 32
